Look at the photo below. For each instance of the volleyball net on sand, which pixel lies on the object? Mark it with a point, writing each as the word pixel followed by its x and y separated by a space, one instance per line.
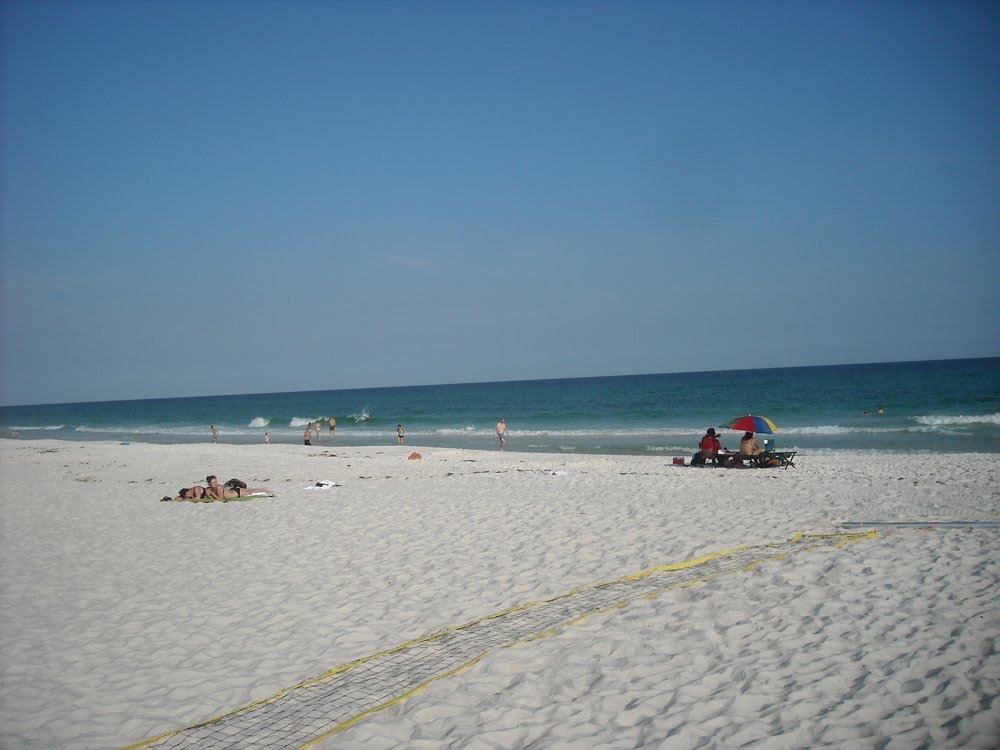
pixel 306 714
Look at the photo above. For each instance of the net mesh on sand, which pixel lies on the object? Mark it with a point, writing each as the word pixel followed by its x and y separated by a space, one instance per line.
pixel 313 710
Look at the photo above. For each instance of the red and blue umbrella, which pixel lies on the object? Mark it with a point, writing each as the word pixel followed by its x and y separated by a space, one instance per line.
pixel 752 423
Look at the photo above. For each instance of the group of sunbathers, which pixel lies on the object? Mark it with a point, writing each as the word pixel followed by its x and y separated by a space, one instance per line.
pixel 710 450
pixel 234 489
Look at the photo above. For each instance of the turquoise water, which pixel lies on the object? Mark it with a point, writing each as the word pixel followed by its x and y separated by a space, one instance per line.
pixel 948 405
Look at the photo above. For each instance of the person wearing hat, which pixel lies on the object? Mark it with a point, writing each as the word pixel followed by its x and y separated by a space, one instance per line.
pixel 710 446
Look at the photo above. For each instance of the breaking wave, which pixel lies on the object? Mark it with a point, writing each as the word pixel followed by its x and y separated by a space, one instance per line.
pixel 943 420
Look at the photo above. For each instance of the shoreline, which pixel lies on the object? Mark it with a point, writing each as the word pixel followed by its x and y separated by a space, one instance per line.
pixel 126 617
pixel 519 443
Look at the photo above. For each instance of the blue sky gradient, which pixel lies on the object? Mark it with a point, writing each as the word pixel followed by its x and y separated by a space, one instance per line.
pixel 234 197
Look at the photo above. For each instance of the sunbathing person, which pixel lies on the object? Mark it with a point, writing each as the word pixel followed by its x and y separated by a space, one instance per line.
pixel 198 494
pixel 750 449
pixel 232 489
pixel 215 490
pixel 238 492
pixel 710 447
pixel 193 493
pixel 749 445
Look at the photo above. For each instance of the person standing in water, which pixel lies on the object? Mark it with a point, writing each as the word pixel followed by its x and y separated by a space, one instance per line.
pixel 215 434
pixel 502 432
pixel 400 434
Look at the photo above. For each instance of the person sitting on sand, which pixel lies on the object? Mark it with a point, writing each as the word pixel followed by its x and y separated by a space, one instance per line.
pixel 710 446
pixel 749 445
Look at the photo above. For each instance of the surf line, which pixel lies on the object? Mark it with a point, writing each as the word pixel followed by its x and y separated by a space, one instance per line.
pixel 310 712
pixel 948 524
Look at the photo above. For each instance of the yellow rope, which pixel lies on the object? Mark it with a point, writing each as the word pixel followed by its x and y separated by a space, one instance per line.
pixel 391 676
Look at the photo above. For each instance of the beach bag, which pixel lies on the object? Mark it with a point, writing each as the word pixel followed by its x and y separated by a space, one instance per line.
pixel 234 483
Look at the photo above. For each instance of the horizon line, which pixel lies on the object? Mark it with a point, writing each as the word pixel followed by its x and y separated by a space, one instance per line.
pixel 496 382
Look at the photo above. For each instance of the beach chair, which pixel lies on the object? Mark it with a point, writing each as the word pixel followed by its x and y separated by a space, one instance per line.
pixel 787 458
pixel 772 459
pixel 769 459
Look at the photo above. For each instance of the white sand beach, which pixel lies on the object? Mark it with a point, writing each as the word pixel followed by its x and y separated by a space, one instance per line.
pixel 124 617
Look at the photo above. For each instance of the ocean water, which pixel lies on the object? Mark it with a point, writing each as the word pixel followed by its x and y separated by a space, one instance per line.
pixel 934 406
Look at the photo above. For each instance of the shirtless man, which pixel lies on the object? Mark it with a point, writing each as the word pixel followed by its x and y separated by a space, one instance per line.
pixel 502 433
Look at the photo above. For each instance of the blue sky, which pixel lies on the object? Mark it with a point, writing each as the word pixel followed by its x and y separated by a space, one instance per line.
pixel 234 197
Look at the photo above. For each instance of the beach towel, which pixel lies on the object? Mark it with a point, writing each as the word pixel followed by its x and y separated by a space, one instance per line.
pixel 206 499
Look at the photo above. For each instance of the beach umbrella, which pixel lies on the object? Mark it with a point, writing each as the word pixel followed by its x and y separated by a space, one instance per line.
pixel 752 423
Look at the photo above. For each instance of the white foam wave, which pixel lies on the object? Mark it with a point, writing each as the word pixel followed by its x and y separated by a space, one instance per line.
pixel 187 431
pixel 364 416
pixel 467 430
pixel 152 430
pixel 944 420
pixel 832 430
pixel 633 433
pixel 302 421
pixel 42 427
pixel 835 429
pixel 542 446
pixel 259 422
